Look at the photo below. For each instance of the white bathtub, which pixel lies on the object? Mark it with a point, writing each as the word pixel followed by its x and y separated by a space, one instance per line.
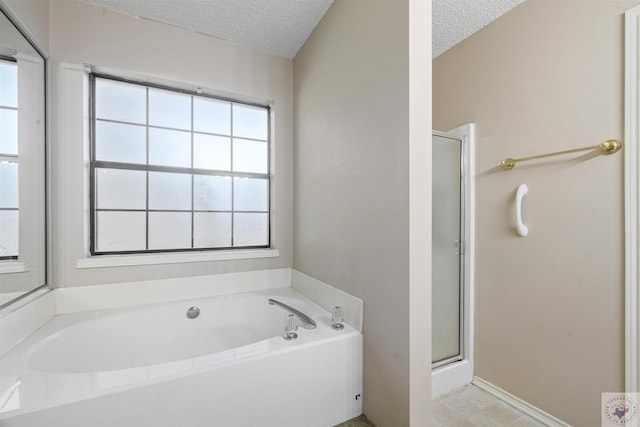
pixel 153 366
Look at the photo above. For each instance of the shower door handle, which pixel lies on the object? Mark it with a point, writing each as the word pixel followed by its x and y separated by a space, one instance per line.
pixel 520 227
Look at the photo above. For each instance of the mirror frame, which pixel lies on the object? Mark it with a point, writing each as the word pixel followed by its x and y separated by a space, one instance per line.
pixel 6 11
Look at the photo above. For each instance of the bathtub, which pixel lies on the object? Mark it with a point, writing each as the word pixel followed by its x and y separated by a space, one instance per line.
pixel 154 366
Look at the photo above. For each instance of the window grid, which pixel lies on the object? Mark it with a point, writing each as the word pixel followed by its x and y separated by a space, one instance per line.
pixel 233 186
pixel 148 150
pixel 193 181
pixel 9 247
pixel 148 168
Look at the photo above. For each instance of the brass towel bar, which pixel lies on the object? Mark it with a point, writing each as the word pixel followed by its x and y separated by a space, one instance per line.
pixel 608 147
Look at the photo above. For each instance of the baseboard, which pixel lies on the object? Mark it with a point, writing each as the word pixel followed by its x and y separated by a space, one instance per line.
pixel 524 407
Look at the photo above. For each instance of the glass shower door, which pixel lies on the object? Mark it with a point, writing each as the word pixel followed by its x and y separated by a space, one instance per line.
pixel 447 248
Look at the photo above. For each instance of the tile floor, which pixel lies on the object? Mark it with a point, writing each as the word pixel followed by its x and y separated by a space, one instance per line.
pixel 470 406
pixel 361 421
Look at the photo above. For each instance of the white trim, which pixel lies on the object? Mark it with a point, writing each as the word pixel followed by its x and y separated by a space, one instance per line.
pixel 522 406
pixel 70 73
pixel 12 267
pixel 632 187
pixel 173 258
pixel 419 84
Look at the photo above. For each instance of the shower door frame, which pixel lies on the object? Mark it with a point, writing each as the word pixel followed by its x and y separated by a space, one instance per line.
pixel 458 370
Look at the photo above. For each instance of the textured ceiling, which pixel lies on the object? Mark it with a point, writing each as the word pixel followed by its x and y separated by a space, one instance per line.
pixel 279 27
pixel 455 20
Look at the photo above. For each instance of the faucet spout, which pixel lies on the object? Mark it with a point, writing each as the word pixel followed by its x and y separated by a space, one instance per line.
pixel 307 322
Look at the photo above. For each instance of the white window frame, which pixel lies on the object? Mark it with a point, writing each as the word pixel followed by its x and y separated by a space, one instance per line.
pixel 161 256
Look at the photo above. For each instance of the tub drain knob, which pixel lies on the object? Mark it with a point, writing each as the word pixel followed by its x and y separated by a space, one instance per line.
pixel 193 312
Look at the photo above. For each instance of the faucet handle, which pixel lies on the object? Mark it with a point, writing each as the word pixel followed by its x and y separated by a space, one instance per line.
pixel 290 327
pixel 337 318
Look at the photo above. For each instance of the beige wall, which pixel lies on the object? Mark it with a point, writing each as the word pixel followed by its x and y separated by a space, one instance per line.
pixel 82 33
pixel 547 76
pixel 353 161
pixel 351 157
pixel 33 16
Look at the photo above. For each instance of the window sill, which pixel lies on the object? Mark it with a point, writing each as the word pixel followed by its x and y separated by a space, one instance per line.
pixel 12 267
pixel 173 258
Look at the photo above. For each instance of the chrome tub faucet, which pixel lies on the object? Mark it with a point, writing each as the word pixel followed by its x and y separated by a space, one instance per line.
pixel 307 322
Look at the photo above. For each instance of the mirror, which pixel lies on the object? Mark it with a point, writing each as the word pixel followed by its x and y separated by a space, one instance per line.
pixel 22 164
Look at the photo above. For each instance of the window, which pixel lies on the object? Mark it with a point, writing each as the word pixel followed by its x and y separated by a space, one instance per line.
pixel 9 209
pixel 176 171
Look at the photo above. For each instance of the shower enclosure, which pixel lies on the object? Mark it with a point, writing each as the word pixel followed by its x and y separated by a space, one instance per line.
pixel 452 259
